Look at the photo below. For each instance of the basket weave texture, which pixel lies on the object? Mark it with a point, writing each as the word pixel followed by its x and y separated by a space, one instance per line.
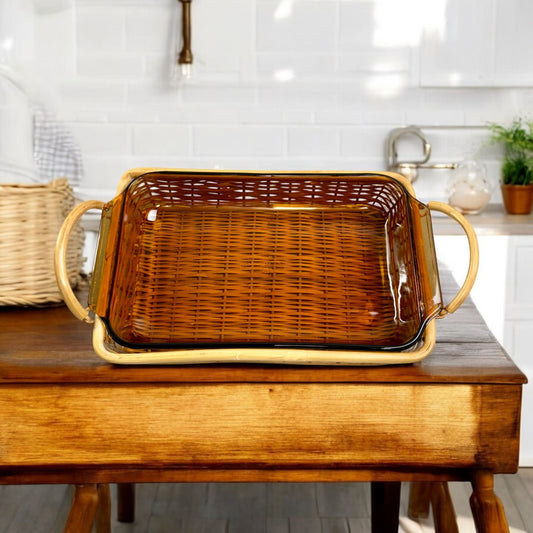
pixel 216 260
pixel 30 219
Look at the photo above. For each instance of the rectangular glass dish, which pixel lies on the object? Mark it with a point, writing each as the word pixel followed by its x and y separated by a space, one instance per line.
pixel 203 266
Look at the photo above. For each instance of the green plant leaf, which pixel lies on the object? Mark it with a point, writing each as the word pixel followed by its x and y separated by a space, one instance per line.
pixel 517 167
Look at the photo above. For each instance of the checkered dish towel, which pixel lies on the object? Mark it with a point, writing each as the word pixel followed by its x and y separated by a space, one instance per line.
pixel 55 150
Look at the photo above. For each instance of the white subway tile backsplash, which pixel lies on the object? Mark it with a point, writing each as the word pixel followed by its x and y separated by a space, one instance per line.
pixel 377 61
pixel 147 95
pixel 356 26
pixel 339 115
pixel 460 98
pixel 457 144
pixel 75 114
pixel 287 66
pixel 157 66
pixel 123 3
pixel 203 114
pixel 111 66
pixel 148 29
pixel 279 84
pixel 485 115
pixel 299 95
pixel 371 95
pixel 223 36
pixel 313 141
pixel 363 141
pixel 104 172
pixel 304 26
pixel 57 55
pixel 103 138
pixel 384 117
pixel 298 116
pixel 231 114
pixel 311 164
pixel 193 94
pixel 94 94
pixel 436 117
pixel 100 29
pixel 161 140
pixel 235 141
pixel 132 115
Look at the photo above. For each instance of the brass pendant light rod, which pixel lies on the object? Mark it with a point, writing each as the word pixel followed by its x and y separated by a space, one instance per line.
pixel 185 55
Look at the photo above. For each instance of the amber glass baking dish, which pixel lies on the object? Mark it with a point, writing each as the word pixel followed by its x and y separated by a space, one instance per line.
pixel 201 266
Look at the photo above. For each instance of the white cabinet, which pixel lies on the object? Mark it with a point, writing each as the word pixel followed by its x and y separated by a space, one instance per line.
pixel 518 328
pixel 479 43
pixel 503 293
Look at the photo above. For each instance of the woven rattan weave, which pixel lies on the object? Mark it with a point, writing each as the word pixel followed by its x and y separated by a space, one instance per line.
pixel 191 260
pixel 30 219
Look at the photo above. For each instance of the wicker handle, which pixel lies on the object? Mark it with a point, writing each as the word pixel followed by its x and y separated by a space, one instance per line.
pixel 60 263
pixel 460 297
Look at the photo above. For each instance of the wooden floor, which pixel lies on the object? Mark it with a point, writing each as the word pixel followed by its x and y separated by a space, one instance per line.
pixel 252 507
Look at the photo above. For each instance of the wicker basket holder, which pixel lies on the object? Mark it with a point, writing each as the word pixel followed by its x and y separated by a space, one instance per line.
pixel 30 219
pixel 299 268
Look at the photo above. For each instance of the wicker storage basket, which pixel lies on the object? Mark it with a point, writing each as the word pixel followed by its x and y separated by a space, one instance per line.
pixel 30 219
pixel 199 266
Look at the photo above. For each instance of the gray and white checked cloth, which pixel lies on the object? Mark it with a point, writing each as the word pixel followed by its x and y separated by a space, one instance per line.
pixel 55 150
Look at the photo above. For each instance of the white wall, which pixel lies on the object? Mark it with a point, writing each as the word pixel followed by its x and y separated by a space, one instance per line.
pixel 282 84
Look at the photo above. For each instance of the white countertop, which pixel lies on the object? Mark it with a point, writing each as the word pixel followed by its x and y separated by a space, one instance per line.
pixel 493 220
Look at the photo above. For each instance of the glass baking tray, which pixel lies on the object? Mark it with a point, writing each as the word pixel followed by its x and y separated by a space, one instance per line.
pixel 202 266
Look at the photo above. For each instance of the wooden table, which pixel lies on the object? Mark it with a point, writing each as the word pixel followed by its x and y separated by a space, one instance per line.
pixel 68 417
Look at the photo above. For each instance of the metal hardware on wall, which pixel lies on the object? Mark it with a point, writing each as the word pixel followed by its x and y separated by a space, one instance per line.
pixel 185 56
pixel 409 169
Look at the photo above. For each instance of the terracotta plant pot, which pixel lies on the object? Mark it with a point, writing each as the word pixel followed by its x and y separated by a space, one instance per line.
pixel 517 199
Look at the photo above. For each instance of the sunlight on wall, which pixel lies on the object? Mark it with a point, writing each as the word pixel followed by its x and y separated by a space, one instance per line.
pixel 284 9
pixel 284 74
pixel 403 23
pixel 386 85
pixel 456 78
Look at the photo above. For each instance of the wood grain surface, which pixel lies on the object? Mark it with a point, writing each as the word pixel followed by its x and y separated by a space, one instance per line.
pixel 68 416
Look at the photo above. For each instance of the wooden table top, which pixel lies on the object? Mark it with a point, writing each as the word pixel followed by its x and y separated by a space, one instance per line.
pixel 69 416
pixel 49 345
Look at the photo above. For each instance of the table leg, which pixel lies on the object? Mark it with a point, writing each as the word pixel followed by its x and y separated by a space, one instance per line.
pixel 437 494
pixel 444 517
pixel 487 509
pixel 82 512
pixel 126 502
pixel 385 502
pixel 103 512
pixel 419 499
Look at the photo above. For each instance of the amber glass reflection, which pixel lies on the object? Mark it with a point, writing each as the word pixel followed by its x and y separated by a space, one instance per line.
pixel 238 259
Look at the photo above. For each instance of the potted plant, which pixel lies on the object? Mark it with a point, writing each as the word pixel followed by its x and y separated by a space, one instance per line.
pixel 517 167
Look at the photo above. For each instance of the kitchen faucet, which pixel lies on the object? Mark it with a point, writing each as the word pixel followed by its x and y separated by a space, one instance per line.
pixel 409 169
